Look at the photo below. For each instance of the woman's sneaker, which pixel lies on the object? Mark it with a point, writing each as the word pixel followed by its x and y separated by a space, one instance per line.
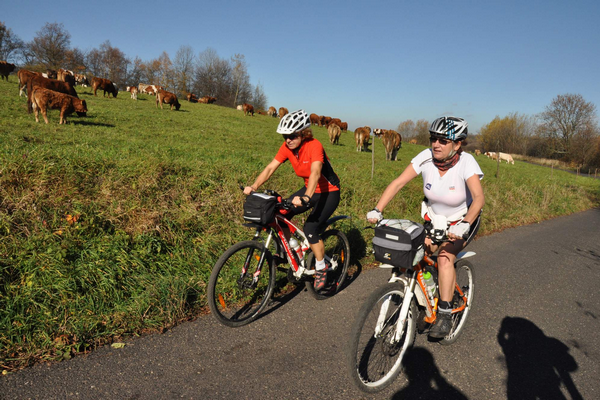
pixel 442 325
pixel 321 278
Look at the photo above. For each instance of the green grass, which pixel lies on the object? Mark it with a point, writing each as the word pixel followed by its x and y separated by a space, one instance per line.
pixel 110 225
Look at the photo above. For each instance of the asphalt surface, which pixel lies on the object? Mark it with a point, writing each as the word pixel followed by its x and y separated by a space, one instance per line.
pixel 534 333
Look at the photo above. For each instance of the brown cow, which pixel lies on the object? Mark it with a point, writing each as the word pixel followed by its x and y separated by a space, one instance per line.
pixel 106 85
pixel 5 69
pixel 477 152
pixel 314 119
pixel 325 120
pixel 361 136
pixel 334 133
pixel 344 126
pixel 391 140
pixel 192 98
pixel 81 80
pixel 44 99
pixel 134 91
pixel 162 96
pixel 207 99
pixel 412 141
pixel 24 77
pixel 248 109
pixel 46 83
pixel 283 111
pixel 65 76
pixel 272 111
pixel 335 121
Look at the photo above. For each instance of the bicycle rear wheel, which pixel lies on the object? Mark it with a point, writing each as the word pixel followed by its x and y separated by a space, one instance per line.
pixel 337 248
pixel 464 280
pixel 374 357
pixel 236 297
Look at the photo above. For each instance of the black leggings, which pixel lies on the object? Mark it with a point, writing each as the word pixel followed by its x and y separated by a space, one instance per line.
pixel 323 205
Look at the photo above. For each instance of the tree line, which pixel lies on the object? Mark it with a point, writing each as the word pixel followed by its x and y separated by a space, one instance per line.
pixel 207 73
pixel 566 130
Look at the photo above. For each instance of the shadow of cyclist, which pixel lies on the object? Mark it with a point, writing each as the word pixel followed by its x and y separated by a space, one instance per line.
pixel 358 250
pixel 537 365
pixel 424 378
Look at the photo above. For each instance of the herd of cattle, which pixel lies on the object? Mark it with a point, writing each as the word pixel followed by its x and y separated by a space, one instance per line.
pixel 56 90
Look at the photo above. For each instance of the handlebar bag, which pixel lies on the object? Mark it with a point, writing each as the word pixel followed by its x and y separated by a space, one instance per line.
pixel 260 208
pixel 399 242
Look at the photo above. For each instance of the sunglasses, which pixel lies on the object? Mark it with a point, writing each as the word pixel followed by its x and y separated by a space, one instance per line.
pixel 443 142
pixel 290 137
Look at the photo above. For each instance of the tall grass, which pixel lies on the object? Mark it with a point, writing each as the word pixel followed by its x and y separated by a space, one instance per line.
pixel 110 225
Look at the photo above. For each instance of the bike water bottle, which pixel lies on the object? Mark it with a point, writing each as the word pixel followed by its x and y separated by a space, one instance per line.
pixel 295 246
pixel 429 285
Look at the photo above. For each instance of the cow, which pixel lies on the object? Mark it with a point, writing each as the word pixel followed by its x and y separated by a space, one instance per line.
pixel 262 112
pixel 361 136
pixel 248 109
pixel 283 111
pixel 335 121
pixel 82 80
pixel 334 133
pixel 149 89
pixel 207 99
pixel 24 77
pixel 412 141
pixel 66 76
pixel 192 98
pixel 344 127
pixel 314 119
pixel 51 74
pixel 272 111
pixel 106 85
pixel 325 120
pixel 134 91
pixel 44 99
pixel 46 83
pixel 162 96
pixel 392 141
pixel 491 154
pixel 506 157
pixel 5 69
pixel 240 107
pixel 477 152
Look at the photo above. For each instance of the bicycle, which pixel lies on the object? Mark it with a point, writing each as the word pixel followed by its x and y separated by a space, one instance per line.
pixel 388 321
pixel 243 279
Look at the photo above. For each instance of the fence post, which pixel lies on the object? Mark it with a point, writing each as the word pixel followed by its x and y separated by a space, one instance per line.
pixel 373 158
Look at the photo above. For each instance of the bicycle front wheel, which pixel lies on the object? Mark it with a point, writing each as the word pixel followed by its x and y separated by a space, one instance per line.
pixel 466 282
pixel 241 283
pixel 337 248
pixel 375 354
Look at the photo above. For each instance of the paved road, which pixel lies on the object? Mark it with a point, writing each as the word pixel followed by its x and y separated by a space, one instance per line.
pixel 534 333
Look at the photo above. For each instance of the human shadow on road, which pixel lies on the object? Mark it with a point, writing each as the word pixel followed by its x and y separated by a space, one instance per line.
pixel 424 378
pixel 537 365
pixel 358 248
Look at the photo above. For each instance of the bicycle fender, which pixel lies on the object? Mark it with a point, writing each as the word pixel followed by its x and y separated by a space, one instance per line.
pixel 336 219
pixel 465 254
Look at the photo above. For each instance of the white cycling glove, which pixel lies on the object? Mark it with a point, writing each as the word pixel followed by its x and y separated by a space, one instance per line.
pixel 375 214
pixel 460 229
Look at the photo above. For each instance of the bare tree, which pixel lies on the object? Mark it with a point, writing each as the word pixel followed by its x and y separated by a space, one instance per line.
pixel 242 90
pixel 422 132
pixel 213 77
pixel 183 69
pixel 75 60
pixel 50 45
pixel 165 72
pixel 10 44
pixel 406 129
pixel 566 117
pixel 259 98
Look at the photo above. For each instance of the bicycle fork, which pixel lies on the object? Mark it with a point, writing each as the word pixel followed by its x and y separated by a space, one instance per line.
pixel 409 293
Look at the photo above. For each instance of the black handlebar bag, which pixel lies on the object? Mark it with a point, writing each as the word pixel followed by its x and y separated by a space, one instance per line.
pixel 399 242
pixel 260 208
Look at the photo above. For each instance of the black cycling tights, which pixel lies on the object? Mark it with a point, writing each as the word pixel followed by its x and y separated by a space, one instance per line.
pixel 323 205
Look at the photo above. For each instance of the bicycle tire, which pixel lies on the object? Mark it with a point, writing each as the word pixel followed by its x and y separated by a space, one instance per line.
pixel 235 302
pixel 465 279
pixel 336 246
pixel 374 361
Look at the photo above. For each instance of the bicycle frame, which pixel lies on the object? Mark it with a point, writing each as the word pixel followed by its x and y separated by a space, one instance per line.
pixel 414 285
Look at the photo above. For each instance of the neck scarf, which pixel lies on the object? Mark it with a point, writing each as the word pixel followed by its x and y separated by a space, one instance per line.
pixel 448 163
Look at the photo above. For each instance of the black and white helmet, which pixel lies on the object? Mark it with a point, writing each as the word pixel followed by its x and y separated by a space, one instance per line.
pixel 452 128
pixel 293 122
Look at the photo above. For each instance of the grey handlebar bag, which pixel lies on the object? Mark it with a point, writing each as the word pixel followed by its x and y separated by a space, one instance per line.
pixel 399 242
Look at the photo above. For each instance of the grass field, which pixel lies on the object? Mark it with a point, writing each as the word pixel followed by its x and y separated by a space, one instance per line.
pixel 110 225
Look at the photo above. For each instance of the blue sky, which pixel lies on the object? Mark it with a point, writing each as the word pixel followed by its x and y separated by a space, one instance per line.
pixel 374 63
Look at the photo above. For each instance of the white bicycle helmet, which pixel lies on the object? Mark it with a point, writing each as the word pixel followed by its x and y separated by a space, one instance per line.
pixel 452 128
pixel 293 122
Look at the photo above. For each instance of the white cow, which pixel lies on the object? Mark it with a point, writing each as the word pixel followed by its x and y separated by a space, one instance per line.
pixel 506 157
